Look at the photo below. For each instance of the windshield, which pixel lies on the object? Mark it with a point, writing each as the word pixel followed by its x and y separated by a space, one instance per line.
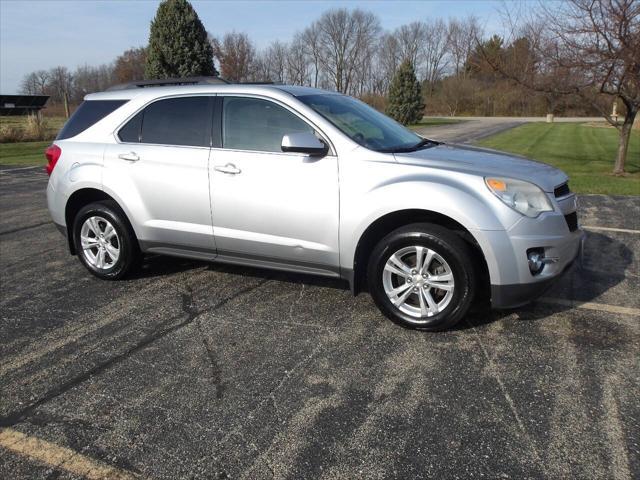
pixel 363 124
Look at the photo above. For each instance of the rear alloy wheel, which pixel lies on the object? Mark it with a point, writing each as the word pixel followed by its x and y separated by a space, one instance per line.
pixel 421 276
pixel 100 243
pixel 105 243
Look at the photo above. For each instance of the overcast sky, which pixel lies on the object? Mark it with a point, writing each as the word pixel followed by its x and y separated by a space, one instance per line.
pixel 42 34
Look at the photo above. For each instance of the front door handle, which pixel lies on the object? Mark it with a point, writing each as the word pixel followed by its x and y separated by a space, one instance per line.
pixel 129 157
pixel 229 168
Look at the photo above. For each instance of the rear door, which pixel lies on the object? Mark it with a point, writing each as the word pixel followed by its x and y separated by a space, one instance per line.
pixel 159 169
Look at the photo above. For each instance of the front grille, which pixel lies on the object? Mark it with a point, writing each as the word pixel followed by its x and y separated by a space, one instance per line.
pixel 572 221
pixel 562 190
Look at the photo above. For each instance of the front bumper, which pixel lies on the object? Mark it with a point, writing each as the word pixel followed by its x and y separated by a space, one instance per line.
pixel 512 283
pixel 516 295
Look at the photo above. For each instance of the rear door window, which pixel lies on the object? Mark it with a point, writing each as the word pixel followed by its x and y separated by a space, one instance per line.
pixel 178 121
pixel 88 113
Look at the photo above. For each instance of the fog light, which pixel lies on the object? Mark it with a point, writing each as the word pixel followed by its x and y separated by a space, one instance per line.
pixel 536 260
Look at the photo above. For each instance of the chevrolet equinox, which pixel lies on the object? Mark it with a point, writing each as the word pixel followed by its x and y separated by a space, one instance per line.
pixel 305 180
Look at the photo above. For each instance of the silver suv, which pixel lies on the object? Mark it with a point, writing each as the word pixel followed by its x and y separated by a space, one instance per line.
pixel 305 180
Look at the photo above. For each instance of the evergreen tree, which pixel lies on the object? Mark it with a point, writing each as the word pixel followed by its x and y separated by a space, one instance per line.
pixel 405 97
pixel 178 43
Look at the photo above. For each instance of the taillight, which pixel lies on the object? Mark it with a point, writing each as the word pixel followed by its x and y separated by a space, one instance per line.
pixel 52 153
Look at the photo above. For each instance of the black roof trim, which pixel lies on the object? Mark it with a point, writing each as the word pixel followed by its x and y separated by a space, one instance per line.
pixel 259 83
pixel 165 82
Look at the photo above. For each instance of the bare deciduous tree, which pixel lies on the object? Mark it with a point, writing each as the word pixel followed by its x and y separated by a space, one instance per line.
pixel 60 83
pixel 344 40
pixel 88 79
pixel 275 58
pixel 29 84
pixel 435 49
pixel 129 66
pixel 388 60
pixel 586 48
pixel 411 39
pixel 259 69
pixel 311 42
pixel 462 36
pixel 236 55
pixel 35 83
pixel 298 62
pixel 423 44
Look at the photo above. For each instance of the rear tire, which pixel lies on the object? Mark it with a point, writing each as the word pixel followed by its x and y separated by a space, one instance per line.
pixel 421 276
pixel 105 241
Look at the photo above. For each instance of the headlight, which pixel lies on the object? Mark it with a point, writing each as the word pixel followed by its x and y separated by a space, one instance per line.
pixel 523 197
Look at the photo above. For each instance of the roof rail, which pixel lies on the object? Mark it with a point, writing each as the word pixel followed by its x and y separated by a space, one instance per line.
pixel 169 82
pixel 260 83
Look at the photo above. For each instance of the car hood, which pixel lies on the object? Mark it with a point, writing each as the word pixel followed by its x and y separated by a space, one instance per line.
pixel 485 162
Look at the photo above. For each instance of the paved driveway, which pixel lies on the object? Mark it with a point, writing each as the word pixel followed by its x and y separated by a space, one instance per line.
pixel 196 370
pixel 471 129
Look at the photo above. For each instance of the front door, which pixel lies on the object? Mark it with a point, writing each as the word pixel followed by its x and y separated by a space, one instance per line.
pixel 270 207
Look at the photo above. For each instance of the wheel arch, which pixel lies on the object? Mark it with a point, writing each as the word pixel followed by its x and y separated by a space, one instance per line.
pixel 393 220
pixel 79 199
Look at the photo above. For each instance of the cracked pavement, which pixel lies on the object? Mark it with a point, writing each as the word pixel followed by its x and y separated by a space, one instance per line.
pixel 198 370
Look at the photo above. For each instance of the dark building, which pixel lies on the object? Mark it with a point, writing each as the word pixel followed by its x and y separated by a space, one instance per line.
pixel 22 104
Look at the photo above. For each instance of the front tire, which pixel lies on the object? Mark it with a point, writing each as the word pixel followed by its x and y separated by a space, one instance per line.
pixel 105 242
pixel 421 276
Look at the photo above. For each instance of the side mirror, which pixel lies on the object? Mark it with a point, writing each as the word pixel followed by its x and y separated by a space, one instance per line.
pixel 304 142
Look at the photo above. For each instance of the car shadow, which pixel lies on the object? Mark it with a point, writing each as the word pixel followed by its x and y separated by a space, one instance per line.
pixel 604 264
pixel 603 267
pixel 160 265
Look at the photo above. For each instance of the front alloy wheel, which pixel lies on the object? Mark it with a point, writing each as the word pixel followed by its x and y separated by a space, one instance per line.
pixel 422 276
pixel 418 281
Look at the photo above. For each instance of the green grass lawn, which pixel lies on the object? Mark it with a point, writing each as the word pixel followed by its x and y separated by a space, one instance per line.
pixel 23 153
pixel 585 152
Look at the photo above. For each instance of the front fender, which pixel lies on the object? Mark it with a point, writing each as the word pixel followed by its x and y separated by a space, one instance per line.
pixel 462 198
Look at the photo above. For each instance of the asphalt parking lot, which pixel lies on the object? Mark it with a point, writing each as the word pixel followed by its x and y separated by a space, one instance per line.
pixel 196 370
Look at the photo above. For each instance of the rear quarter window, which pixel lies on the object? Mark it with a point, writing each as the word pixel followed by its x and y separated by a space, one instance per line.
pixel 185 121
pixel 178 121
pixel 88 113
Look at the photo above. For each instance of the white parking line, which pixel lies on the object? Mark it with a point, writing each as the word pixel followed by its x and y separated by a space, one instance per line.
pixel 9 170
pixel 608 229
pixel 601 307
pixel 59 457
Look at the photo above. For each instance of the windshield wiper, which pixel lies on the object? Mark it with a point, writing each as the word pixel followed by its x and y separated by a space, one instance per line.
pixel 421 144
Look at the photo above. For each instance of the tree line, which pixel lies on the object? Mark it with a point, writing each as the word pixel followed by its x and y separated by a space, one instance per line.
pixel 576 57
pixel 343 50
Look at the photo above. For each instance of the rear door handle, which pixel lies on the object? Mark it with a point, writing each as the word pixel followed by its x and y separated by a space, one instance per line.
pixel 129 157
pixel 229 168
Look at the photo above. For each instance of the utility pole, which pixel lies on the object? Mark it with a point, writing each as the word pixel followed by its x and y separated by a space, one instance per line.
pixel 65 98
